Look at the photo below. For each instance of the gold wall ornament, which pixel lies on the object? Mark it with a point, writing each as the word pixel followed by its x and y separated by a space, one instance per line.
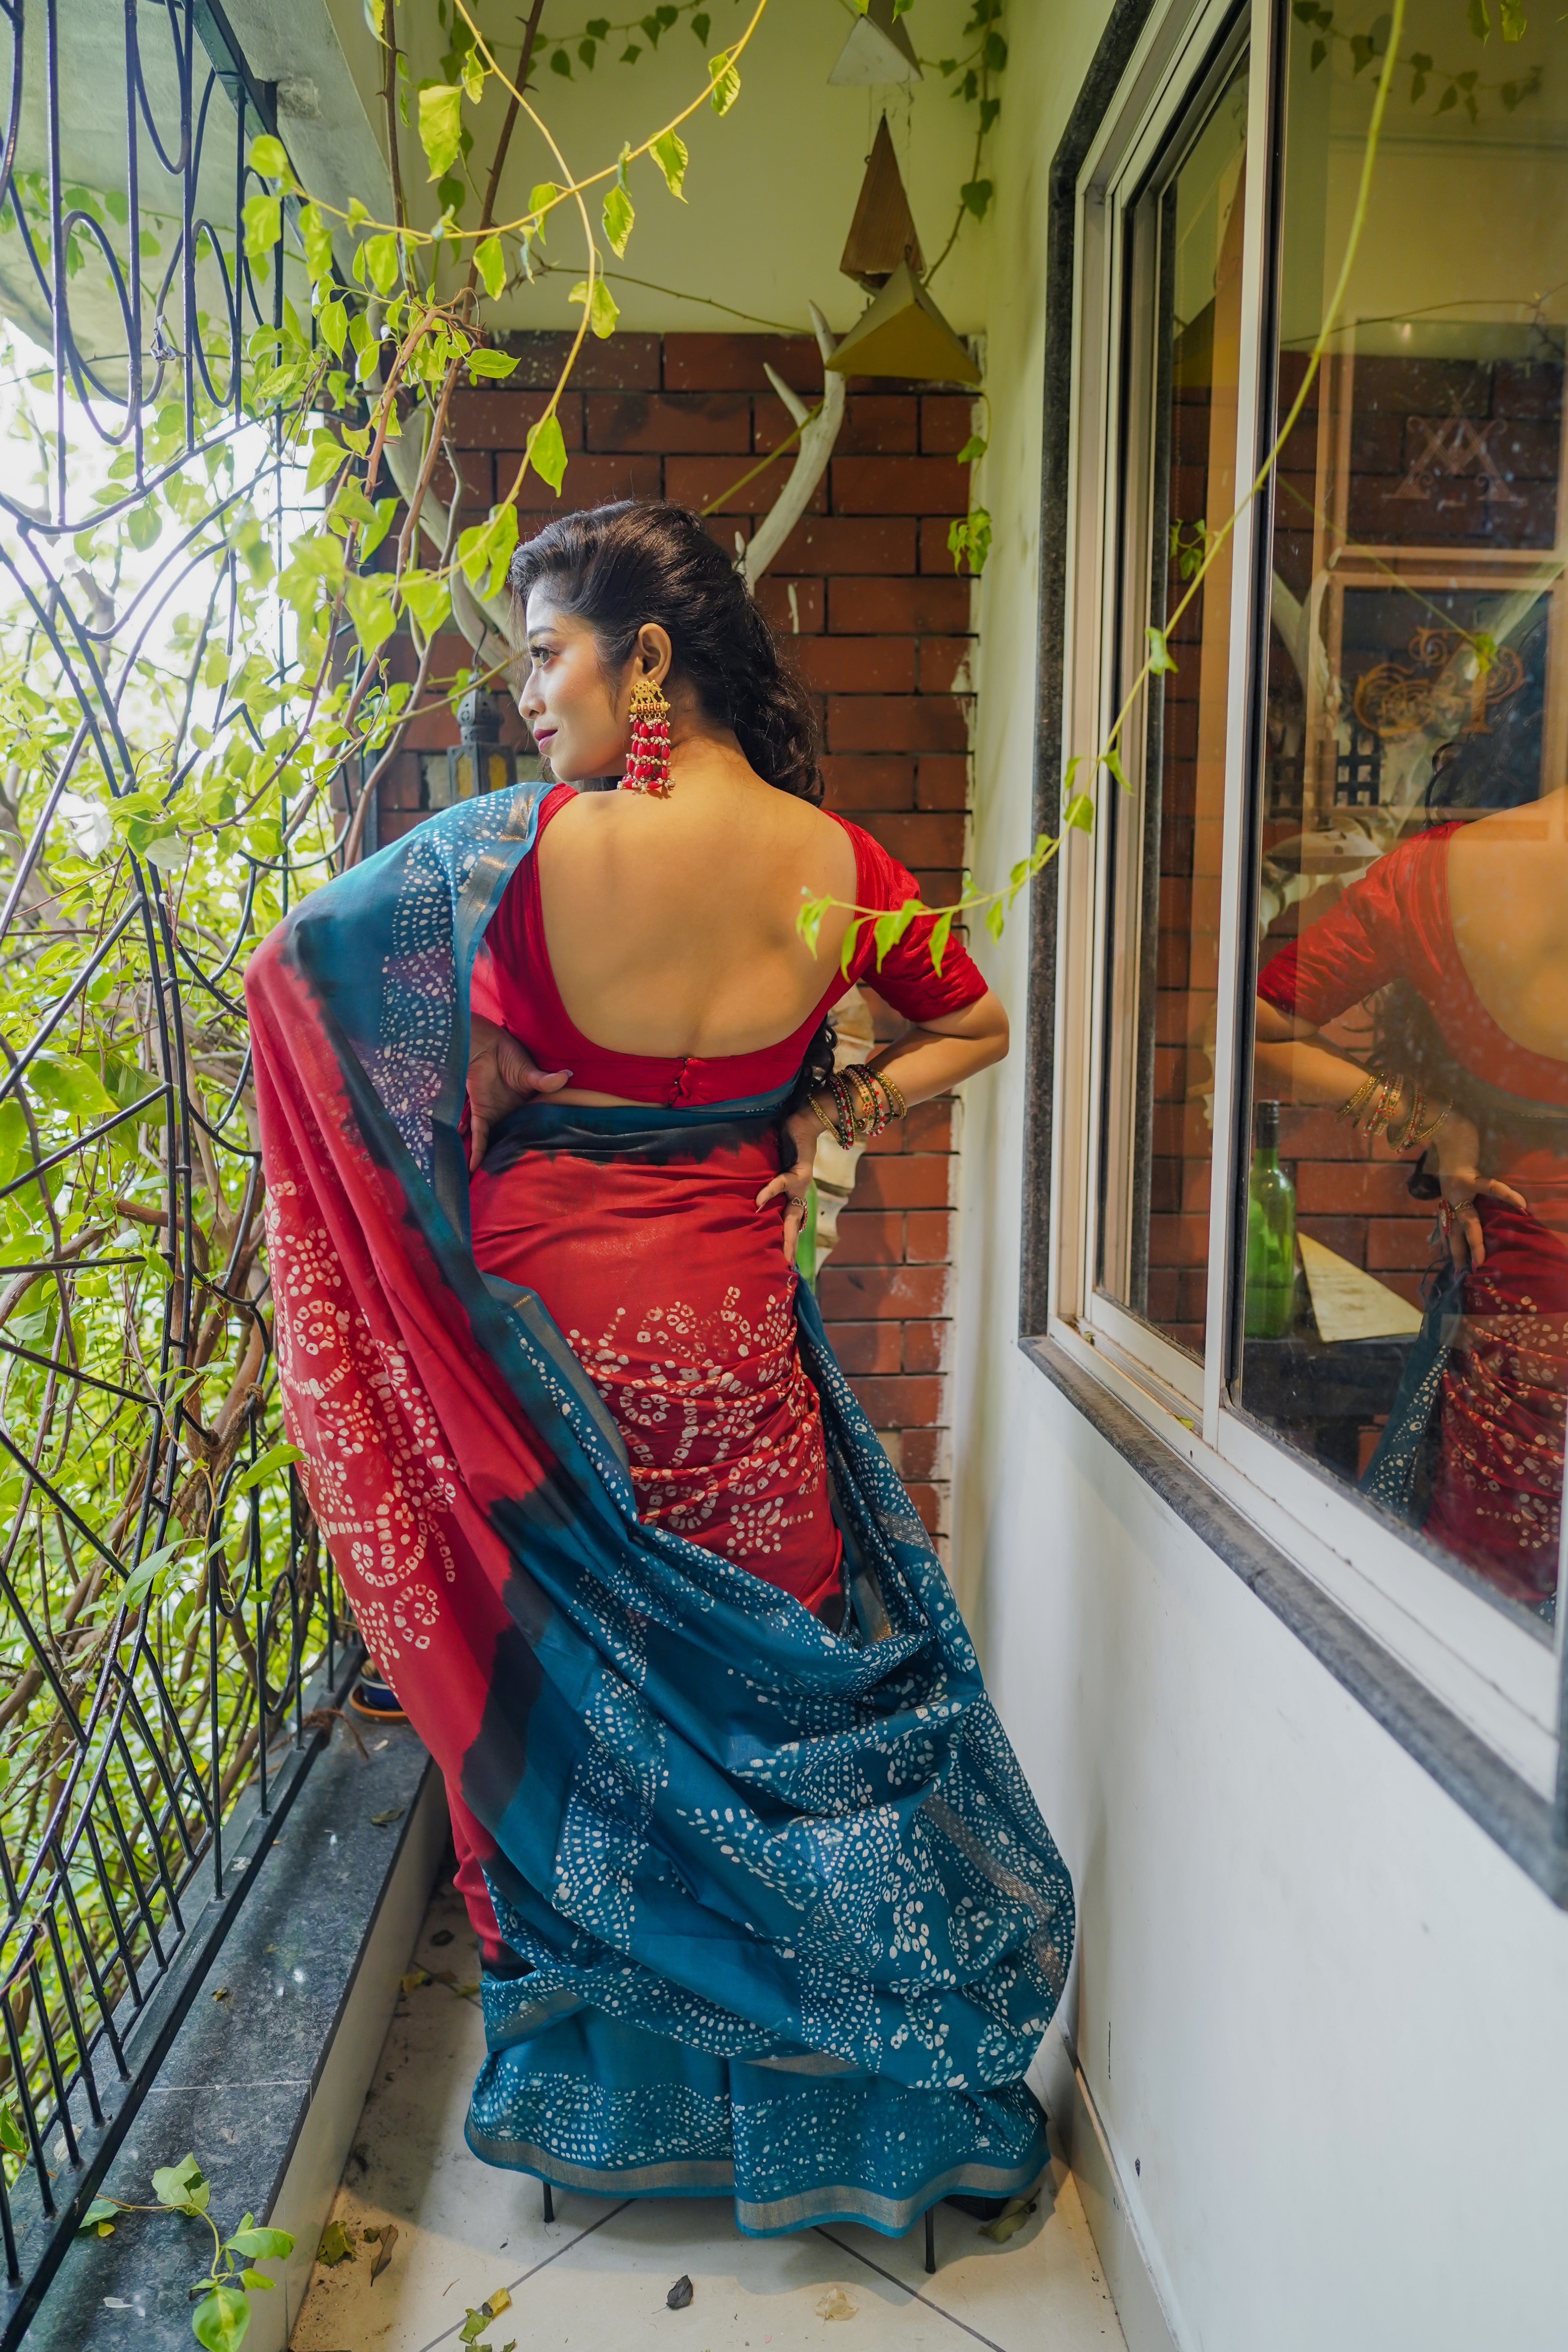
pixel 1445 688
pixel 903 333
pixel 878 51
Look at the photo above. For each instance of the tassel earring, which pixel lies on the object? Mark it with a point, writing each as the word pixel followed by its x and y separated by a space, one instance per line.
pixel 648 753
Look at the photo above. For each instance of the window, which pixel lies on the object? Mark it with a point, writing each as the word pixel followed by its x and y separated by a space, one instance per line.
pixel 1314 961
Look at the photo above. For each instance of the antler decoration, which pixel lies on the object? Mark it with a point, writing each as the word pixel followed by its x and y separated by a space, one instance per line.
pixel 817 436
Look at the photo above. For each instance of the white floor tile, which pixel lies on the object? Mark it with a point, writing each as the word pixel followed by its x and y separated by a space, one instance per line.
pixel 596 2280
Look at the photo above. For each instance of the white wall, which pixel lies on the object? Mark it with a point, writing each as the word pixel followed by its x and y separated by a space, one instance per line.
pixel 1327 2016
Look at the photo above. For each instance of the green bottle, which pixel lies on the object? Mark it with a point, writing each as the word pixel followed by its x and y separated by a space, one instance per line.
pixel 1271 1234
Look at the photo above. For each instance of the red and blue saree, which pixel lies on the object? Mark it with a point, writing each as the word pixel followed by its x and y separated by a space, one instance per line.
pixel 767 1908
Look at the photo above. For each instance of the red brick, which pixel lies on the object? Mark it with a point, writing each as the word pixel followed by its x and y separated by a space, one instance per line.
pixel 865 1347
pixel 712 482
pixel 942 780
pixel 925 1346
pixel 868 784
pixel 1334 1189
pixel 878 1290
pixel 925 1453
pixel 943 661
pixel 896 723
pixel 922 839
pixel 904 1180
pixel 479 480
pixel 738 362
pixel 946 423
pixel 869 1237
pixel 929 1126
pixel 878 606
pixel 591 482
pixel 935 554
pixel 772 596
pixel 899 1402
pixel 1346 1236
pixel 394 824
pixel 433 730
pixel 400 788
pixel 847 543
pixel 711 421
pixel 499 418
pixel 626 363
pixel 944 888
pixel 915 486
pixel 928 1237
pixel 873 425
pixel 1402 1242
pixel 859 665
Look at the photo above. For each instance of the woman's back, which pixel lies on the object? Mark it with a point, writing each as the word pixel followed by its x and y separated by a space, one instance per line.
pixel 702 890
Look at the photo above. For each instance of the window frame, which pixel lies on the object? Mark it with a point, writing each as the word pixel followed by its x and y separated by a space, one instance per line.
pixel 1496 1678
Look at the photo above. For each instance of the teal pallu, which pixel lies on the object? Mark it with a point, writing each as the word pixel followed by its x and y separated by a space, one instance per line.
pixel 781 1918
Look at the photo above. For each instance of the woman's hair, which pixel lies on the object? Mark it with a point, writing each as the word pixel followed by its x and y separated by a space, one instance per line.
pixel 619 567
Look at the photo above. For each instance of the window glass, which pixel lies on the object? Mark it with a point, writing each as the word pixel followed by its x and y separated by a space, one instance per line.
pixel 1412 907
pixel 1183 276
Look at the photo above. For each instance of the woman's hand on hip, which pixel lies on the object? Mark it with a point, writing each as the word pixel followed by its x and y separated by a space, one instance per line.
pixel 1458 1148
pixel 801 1129
pixel 501 1075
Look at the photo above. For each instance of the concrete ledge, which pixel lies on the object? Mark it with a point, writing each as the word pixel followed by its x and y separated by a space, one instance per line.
pixel 267 2078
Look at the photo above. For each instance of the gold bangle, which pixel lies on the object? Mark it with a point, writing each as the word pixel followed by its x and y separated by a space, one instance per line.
pixel 1358 1100
pixel 823 1120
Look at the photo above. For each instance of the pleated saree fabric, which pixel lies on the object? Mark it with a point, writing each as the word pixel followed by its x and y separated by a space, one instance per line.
pixel 768 1908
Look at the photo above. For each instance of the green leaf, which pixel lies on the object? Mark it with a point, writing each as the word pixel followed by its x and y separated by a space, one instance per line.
pixel 369 600
pixel 939 937
pixel 974 449
pixel 560 63
pixel 12 2138
pixel 270 158
pixel 376 530
pixel 726 81
pixel 668 152
pixel 604 310
pixel 995 919
pixel 375 18
pixel 263 2245
pixel 490 263
pixel 255 2278
pixel 975 196
pixel 1159 653
pixel 1484 647
pixel 547 451
pixel 809 922
pixel 327 454
pixel 380 260
pixel 263 218
pixel 1480 19
pixel 701 25
pixel 846 952
pixel 333 321
pixel 441 126
pixel 1078 814
pixel 102 2209
pixel 317 238
pixel 1008 2221
pixel 482 361
pixel 276 1458
pixel 428 598
pixel 618 218
pixel 1111 758
pixel 146 1577
pixel 1512 18
pixel 222 2319
pixel 179 2185
pixel 539 201
pixel 336 2244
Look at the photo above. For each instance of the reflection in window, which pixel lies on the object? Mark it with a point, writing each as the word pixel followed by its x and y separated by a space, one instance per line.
pixel 1183 273
pixel 1412 1027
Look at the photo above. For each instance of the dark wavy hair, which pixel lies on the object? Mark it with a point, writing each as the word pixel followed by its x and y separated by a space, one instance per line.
pixel 619 567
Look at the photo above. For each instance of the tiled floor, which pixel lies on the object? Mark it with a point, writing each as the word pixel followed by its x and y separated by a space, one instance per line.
pixel 596 2279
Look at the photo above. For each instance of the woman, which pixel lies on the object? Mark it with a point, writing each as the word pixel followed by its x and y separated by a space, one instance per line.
pixel 764 1903
pixel 1461 934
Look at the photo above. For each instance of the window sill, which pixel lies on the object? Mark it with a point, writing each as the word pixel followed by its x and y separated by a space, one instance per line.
pixel 1498 1798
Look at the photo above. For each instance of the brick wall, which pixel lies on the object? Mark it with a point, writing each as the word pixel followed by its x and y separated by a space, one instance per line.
pixel 866 593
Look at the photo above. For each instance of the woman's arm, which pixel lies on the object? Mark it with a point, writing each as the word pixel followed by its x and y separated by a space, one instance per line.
pixel 1291 1060
pixel 501 1075
pixel 931 1060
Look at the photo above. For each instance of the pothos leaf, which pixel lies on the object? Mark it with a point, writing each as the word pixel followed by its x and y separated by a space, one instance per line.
pixel 1080 814
pixel 603 309
pixel 482 361
pixel 222 2319
pixel 263 217
pixel 441 125
pixel 369 600
pixel 726 81
pixel 1159 653
pixel 939 937
pixel 809 922
pixel 846 952
pixel 618 218
pixel 427 597
pixel 490 263
pixel 1111 758
pixel 996 920
pixel 269 157
pixel 547 451
pixel 668 152
pixel 380 260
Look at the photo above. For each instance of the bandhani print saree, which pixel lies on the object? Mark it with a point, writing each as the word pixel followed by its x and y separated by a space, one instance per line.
pixel 768 1910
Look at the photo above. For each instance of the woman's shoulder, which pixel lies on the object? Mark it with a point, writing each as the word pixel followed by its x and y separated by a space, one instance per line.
pixel 882 879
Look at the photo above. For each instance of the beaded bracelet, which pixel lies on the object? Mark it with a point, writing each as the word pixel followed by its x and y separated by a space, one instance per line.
pixel 864 1103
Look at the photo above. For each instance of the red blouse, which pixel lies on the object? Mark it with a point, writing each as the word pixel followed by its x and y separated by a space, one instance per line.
pixel 1394 924
pixel 514 986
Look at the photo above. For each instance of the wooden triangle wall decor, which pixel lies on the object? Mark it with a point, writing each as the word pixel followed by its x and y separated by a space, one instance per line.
pixel 882 233
pixel 877 50
pixel 903 333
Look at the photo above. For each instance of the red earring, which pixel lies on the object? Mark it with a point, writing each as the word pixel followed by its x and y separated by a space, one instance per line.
pixel 647 753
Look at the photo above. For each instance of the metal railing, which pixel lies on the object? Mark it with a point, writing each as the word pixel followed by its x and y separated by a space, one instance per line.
pixel 162 1602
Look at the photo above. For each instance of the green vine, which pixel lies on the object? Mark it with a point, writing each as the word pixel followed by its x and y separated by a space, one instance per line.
pixel 221 2319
